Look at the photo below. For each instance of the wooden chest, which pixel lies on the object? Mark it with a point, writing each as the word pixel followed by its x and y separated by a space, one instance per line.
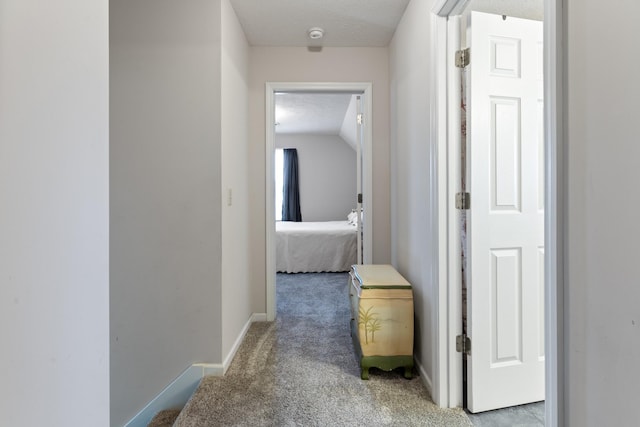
pixel 381 318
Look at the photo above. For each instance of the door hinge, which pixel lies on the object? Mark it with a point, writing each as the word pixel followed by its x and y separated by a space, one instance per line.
pixel 359 197
pixel 359 118
pixel 463 57
pixel 463 344
pixel 463 201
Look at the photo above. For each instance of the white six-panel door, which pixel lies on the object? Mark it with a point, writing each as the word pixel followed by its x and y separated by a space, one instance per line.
pixel 505 228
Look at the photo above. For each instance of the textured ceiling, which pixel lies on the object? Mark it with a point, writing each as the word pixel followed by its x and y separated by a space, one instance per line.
pixel 347 23
pixel 311 113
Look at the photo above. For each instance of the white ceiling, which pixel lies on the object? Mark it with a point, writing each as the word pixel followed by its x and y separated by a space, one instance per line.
pixel 311 113
pixel 347 23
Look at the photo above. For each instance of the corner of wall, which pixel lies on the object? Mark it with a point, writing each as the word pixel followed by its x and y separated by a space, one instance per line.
pixel 424 377
pixel 178 392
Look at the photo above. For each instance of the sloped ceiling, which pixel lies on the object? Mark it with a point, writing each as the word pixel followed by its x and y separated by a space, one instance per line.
pixel 311 113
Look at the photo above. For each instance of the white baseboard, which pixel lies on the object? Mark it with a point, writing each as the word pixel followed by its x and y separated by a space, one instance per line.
pixel 424 377
pixel 259 317
pixel 255 317
pixel 178 392
pixel 174 396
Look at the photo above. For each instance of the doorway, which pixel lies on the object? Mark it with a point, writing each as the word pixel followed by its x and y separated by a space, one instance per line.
pixel 363 90
pixel 448 391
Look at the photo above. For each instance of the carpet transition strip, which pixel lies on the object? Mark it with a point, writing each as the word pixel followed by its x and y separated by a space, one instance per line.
pixel 165 418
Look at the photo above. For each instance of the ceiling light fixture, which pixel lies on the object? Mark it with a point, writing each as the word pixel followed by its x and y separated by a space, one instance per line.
pixel 315 33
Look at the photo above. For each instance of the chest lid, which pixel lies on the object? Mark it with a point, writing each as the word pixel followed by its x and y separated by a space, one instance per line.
pixel 379 276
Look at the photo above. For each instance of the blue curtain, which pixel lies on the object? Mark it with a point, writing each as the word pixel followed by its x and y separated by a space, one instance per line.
pixel 291 186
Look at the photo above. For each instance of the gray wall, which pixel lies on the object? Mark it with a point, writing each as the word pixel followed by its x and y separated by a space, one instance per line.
pixel 602 309
pixel 165 195
pixel 54 223
pixel 327 175
pixel 236 240
pixel 412 171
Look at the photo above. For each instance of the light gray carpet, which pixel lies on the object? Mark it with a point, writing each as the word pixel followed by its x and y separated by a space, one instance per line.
pixel 302 370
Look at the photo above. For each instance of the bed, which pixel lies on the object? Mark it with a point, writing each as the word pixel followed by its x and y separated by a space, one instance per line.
pixel 313 247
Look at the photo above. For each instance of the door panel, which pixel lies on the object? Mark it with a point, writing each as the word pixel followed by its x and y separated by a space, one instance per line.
pixel 505 222
pixel 505 154
pixel 506 319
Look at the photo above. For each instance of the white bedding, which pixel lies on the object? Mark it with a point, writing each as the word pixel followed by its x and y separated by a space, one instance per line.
pixel 311 247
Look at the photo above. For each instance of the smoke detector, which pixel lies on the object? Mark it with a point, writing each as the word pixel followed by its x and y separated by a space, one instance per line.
pixel 315 33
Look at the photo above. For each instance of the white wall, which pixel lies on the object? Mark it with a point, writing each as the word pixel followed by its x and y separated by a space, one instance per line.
pixel 54 188
pixel 236 309
pixel 327 175
pixel 413 242
pixel 602 287
pixel 297 64
pixel 165 195
pixel 349 128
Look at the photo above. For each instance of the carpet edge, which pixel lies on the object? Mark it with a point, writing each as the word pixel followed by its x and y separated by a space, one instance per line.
pixel 179 391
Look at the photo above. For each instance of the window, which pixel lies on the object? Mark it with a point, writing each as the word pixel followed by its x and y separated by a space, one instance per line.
pixel 279 168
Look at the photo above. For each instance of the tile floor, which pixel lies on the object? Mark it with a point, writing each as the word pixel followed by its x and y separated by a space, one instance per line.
pixel 531 415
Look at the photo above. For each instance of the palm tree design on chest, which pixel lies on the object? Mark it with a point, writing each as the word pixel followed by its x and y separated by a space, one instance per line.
pixel 369 320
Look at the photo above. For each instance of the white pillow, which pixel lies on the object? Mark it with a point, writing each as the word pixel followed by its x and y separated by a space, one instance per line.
pixel 353 218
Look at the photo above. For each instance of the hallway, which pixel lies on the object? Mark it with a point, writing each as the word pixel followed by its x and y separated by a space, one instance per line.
pixel 301 370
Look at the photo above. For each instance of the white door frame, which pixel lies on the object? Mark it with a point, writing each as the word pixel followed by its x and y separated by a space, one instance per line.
pixel 367 189
pixel 447 386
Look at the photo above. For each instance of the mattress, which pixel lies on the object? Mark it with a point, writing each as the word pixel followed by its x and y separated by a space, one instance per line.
pixel 313 247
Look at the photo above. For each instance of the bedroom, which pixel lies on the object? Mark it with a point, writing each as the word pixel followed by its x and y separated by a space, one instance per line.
pixel 317 131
